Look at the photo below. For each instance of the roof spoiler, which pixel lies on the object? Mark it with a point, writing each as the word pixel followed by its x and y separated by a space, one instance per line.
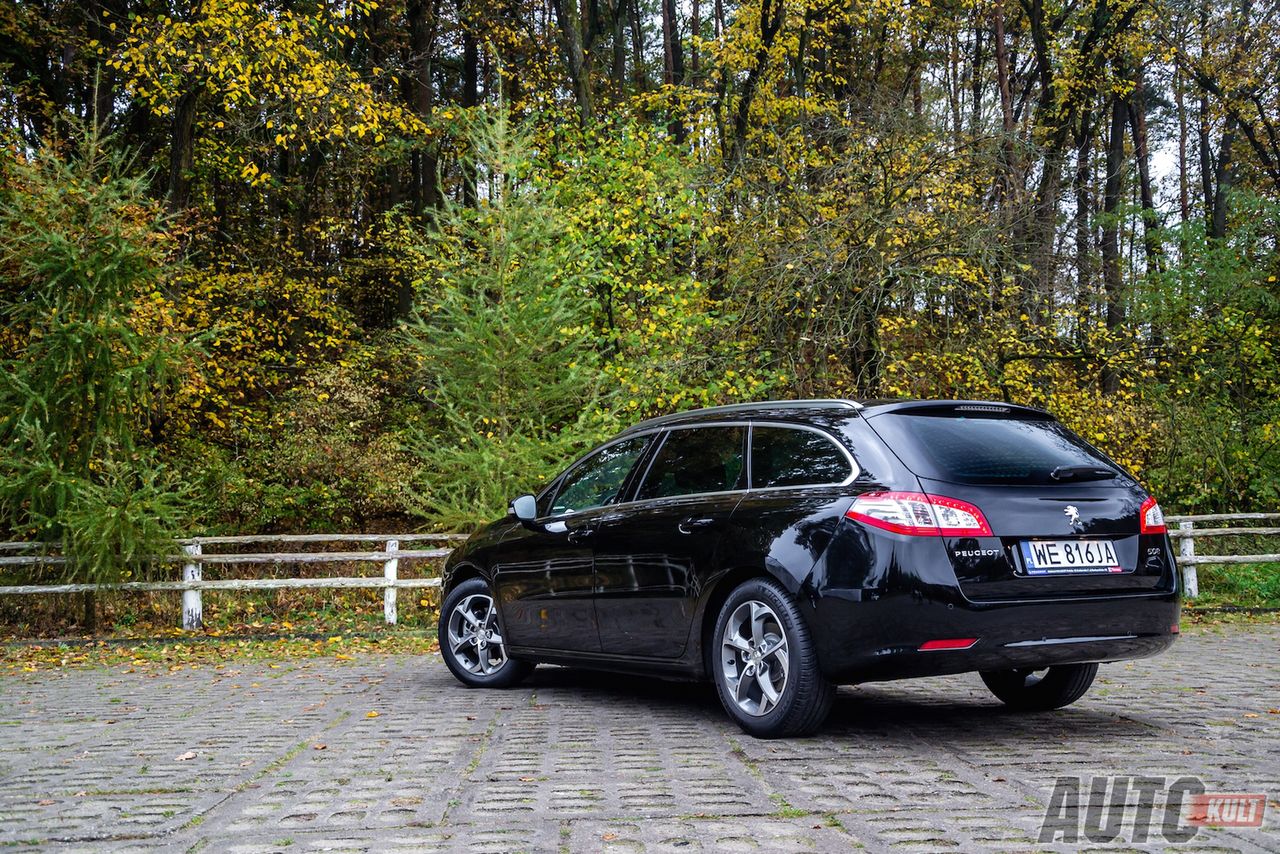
pixel 962 408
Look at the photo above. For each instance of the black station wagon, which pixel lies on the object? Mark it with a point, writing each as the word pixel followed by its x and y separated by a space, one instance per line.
pixel 783 548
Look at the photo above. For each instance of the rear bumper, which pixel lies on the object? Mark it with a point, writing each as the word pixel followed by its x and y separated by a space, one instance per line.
pixel 880 639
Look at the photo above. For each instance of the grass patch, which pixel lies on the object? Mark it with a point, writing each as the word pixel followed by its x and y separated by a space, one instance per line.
pixel 1251 585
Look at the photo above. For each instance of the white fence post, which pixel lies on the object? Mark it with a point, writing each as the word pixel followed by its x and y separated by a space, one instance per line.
pixel 389 571
pixel 192 606
pixel 1187 549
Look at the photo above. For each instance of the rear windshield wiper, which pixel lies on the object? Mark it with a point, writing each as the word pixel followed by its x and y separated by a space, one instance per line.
pixel 1085 472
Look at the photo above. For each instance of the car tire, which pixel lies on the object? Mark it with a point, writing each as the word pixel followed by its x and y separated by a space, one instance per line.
pixel 760 637
pixel 471 640
pixel 1040 691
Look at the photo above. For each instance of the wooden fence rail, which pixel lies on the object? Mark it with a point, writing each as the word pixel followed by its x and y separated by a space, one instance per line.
pixel 1187 533
pixel 193 560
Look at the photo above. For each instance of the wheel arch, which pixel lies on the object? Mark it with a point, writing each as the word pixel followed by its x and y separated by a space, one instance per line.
pixel 455 575
pixel 724 585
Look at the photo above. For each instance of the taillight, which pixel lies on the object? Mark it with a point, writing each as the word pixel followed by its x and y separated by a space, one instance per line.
pixel 1151 518
pixel 919 515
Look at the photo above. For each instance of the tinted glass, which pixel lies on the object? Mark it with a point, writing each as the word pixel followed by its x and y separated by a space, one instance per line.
pixel 986 450
pixel 703 459
pixel 782 456
pixel 597 480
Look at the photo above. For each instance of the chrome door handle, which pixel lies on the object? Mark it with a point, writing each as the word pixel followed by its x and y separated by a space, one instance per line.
pixel 694 523
pixel 581 535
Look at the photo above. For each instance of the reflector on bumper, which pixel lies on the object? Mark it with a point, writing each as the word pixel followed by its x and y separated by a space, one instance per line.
pixel 947 643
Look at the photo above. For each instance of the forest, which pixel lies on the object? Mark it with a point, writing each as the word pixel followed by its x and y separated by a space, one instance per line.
pixel 340 265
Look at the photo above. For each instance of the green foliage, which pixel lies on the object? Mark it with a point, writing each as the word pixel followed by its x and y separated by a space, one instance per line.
pixel 503 335
pixel 775 199
pixel 646 210
pixel 81 382
pixel 120 519
pixel 1218 310
pixel 264 330
pixel 328 458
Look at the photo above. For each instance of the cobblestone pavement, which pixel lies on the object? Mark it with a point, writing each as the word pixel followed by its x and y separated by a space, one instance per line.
pixel 289 758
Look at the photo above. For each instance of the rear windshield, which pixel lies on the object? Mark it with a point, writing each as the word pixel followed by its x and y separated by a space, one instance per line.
pixel 986 450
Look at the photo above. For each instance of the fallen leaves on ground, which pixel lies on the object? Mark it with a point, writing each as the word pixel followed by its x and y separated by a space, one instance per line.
pixel 156 656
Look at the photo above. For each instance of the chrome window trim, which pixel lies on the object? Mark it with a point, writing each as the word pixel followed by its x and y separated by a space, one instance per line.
pixel 854 468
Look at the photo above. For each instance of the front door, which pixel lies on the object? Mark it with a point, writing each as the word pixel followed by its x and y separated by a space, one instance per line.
pixel 544 576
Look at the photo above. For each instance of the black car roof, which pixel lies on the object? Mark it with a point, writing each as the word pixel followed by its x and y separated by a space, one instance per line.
pixel 825 411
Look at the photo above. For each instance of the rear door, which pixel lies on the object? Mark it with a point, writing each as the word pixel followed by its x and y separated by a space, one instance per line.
pixel 1064 518
pixel 801 484
pixel 652 552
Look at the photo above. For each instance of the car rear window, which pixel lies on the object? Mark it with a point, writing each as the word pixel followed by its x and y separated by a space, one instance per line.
pixel 786 456
pixel 985 450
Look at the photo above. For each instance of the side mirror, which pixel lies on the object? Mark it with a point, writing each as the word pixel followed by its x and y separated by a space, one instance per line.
pixel 524 508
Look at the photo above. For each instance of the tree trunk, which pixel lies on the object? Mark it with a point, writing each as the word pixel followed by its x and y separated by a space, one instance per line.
pixel 618 71
pixel 470 95
pixel 422 19
pixel 1224 177
pixel 1184 185
pixel 695 26
pixel 637 48
pixel 182 149
pixel 1112 278
pixel 1006 105
pixel 673 63
pixel 1206 149
pixel 1152 249
pixel 569 22
pixel 1084 221
pixel 771 17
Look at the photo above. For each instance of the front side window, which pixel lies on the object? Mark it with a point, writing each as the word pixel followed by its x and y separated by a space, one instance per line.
pixel 696 460
pixel 783 456
pixel 597 480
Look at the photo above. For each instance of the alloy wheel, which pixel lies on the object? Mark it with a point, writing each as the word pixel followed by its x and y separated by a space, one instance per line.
pixel 755 657
pixel 475 637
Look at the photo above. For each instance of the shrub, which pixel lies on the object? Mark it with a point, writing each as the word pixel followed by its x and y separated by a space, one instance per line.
pixel 82 381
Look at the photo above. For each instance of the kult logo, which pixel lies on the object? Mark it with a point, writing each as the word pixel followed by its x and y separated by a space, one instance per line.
pixel 1176 808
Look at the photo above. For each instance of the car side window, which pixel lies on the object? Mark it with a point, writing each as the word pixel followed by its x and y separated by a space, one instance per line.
pixel 597 480
pixel 692 461
pixel 783 456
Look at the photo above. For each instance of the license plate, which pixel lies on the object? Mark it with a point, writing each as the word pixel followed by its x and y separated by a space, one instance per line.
pixel 1069 557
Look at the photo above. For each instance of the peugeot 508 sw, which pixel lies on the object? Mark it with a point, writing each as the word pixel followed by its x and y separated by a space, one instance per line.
pixel 783 548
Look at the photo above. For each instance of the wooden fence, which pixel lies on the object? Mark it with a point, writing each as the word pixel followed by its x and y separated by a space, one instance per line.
pixel 194 558
pixel 1187 533
pixel 388 553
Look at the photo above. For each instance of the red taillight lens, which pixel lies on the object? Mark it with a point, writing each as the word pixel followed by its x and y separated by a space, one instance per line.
pixel 1151 518
pixel 947 643
pixel 919 515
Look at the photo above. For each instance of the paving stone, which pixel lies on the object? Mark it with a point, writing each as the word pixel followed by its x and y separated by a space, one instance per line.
pixel 255 758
